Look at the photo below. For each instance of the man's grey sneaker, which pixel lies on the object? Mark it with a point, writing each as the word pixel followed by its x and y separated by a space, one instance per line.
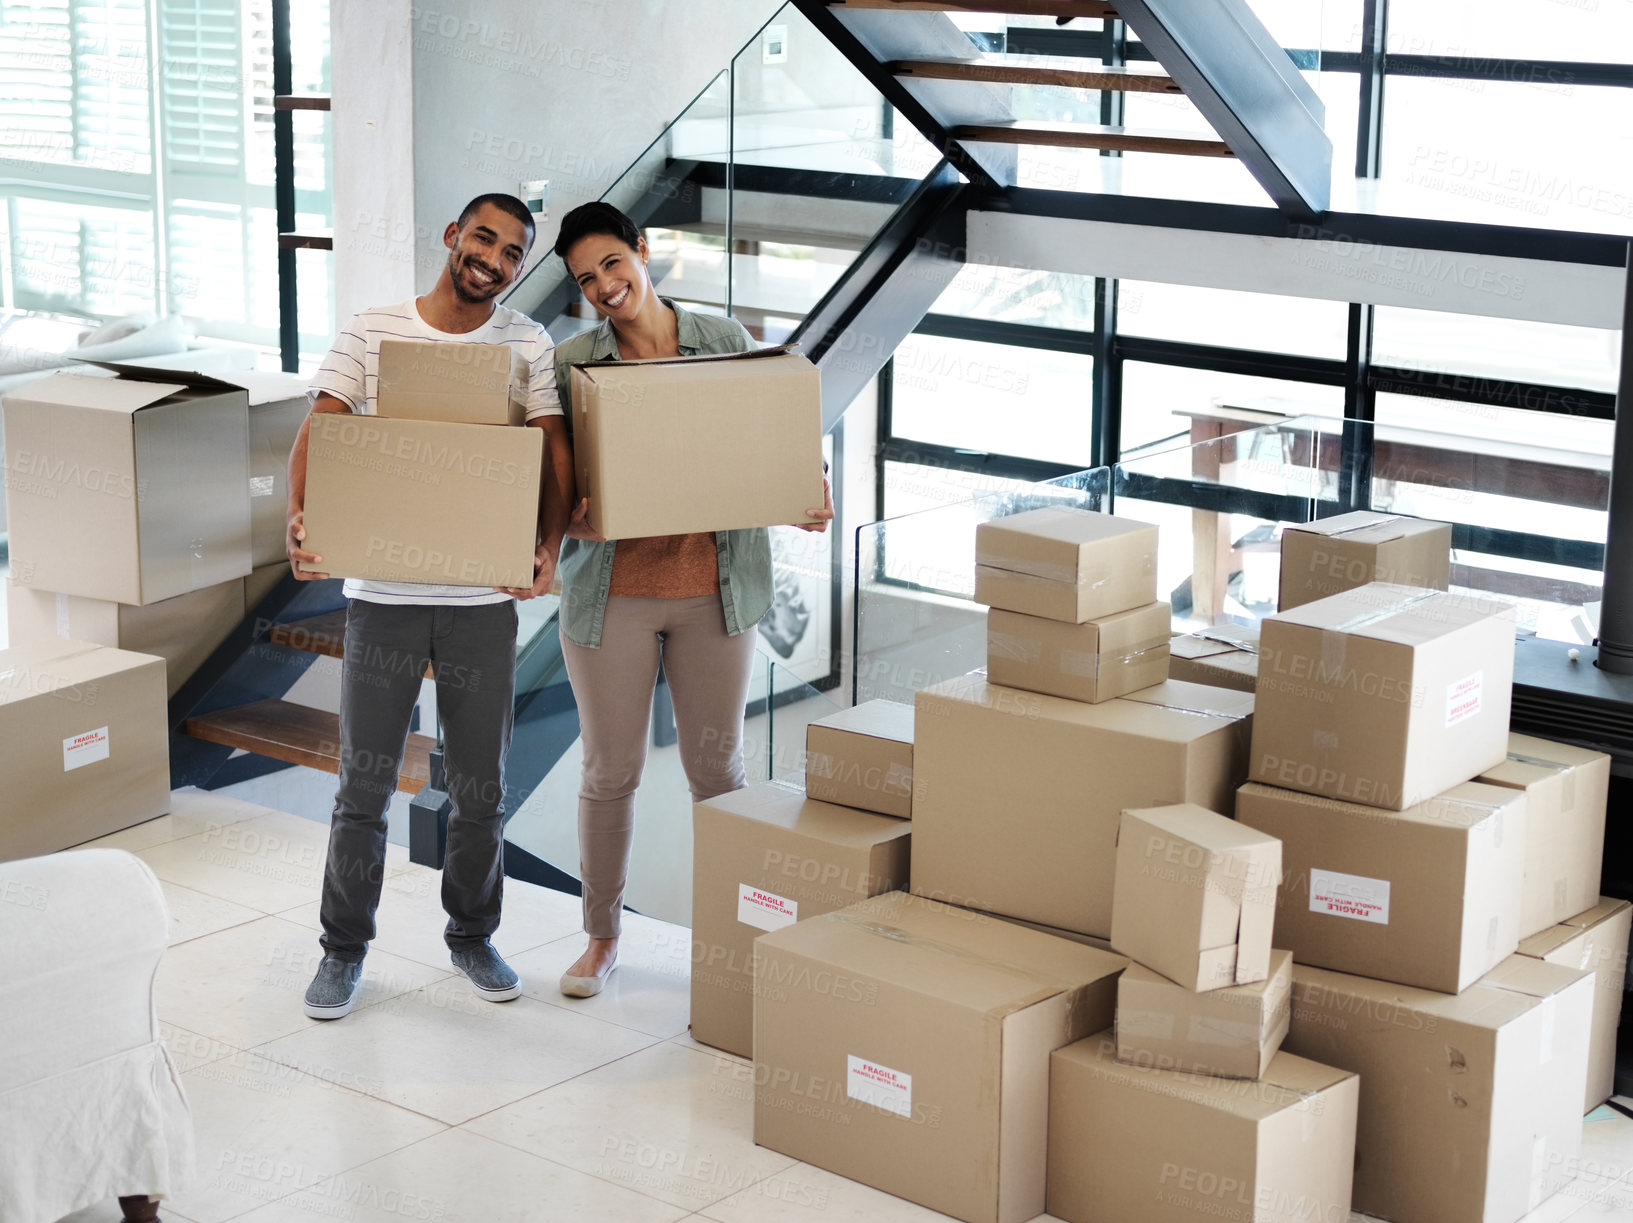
pixel 490 976
pixel 334 988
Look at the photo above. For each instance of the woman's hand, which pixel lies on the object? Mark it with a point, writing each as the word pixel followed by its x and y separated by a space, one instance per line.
pixel 579 527
pixel 823 516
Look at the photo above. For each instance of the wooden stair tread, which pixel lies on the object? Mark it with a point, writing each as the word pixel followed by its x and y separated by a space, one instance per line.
pixel 1058 70
pixel 1092 9
pixel 301 735
pixel 325 634
pixel 1093 136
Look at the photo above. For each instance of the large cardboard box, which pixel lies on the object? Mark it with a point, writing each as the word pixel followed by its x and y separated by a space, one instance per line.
pixel 863 757
pixel 1226 656
pixel 422 500
pixel 1093 661
pixel 183 631
pixel 471 384
pixel 1017 796
pixel 277 407
pixel 1232 1033
pixel 1195 896
pixel 1429 896
pixel 762 858
pixel 905 1044
pixel 1596 942
pixel 131 488
pixel 1065 564
pixel 1385 695
pixel 1131 1143
pixel 1565 793
pixel 1471 1105
pixel 698 443
pixel 84 744
pixel 1330 555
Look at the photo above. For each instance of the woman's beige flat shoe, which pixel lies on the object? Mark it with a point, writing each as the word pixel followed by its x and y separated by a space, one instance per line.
pixel 586 987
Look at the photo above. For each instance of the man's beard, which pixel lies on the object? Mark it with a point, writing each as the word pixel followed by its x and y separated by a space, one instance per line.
pixel 461 291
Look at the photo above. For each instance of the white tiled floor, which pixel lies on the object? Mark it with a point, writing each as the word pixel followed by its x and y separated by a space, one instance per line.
pixel 428 1103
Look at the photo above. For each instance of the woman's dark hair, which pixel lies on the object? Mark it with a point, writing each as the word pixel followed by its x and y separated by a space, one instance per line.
pixel 595 218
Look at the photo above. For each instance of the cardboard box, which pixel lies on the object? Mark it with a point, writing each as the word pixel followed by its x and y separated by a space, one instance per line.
pixel 1231 1033
pixel 1471 1105
pixel 1383 695
pixel 698 443
pixel 422 500
pixel 1330 555
pixel 277 407
pixel 1065 564
pixel 1195 896
pixel 1429 896
pixel 1017 796
pixel 905 1044
pixel 764 857
pixel 84 744
pixel 469 384
pixel 131 488
pixel 1130 1143
pixel 1226 656
pixel 1093 661
pixel 1566 789
pixel 863 757
pixel 1596 942
pixel 183 631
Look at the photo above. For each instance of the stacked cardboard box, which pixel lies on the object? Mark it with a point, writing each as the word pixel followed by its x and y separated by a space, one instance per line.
pixel 1332 555
pixel 442 486
pixel 1226 655
pixel 1593 941
pixel 1377 710
pixel 1073 603
pixel 863 757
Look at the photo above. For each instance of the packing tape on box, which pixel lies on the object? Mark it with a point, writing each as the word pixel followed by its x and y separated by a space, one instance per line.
pixel 1140 651
pixel 1568 797
pixel 1012 647
pixel 1203 713
pixel 1383 521
pixel 1235 643
pixel 1050 574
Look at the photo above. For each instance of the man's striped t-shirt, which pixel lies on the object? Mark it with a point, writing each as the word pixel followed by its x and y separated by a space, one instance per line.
pixel 351 374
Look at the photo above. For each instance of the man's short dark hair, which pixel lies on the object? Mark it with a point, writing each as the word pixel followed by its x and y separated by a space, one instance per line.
pixel 504 203
pixel 596 217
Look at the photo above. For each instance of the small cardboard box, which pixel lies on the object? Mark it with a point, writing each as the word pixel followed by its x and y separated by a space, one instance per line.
pixel 132 488
pixel 1065 564
pixel 422 500
pixel 1226 656
pixel 763 858
pixel 1093 661
pixel 1596 942
pixel 1429 896
pixel 84 744
pixel 905 1044
pixel 469 384
pixel 1231 1033
pixel 1566 789
pixel 1017 796
pixel 1195 896
pixel 183 631
pixel 1385 695
pixel 277 408
pixel 863 757
pixel 1471 1105
pixel 685 444
pixel 1330 555
pixel 1131 1143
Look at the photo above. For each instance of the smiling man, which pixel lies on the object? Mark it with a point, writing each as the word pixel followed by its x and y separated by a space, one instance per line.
pixel 465 634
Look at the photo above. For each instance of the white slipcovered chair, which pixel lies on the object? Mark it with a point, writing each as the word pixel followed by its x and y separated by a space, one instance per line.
pixel 91 1107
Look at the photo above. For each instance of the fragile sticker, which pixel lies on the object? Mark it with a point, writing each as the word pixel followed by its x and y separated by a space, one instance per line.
pixel 765 910
pixel 1352 896
pixel 880 1086
pixel 1463 698
pixel 81 750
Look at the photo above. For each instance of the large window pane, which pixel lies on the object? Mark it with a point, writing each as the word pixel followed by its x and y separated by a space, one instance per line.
pixel 1550 353
pixel 993 398
pixel 1162 401
pixel 1232 319
pixel 1599 30
pixel 1020 295
pixel 1557 156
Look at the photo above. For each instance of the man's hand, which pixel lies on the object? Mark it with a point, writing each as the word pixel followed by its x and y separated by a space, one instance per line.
pixel 579 527
pixel 298 555
pixel 544 573
pixel 823 516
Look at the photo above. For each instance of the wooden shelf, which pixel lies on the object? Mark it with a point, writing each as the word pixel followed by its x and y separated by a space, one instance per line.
pixel 325 634
pixel 1036 70
pixel 300 735
pixel 319 242
pixel 300 101
pixel 1091 136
